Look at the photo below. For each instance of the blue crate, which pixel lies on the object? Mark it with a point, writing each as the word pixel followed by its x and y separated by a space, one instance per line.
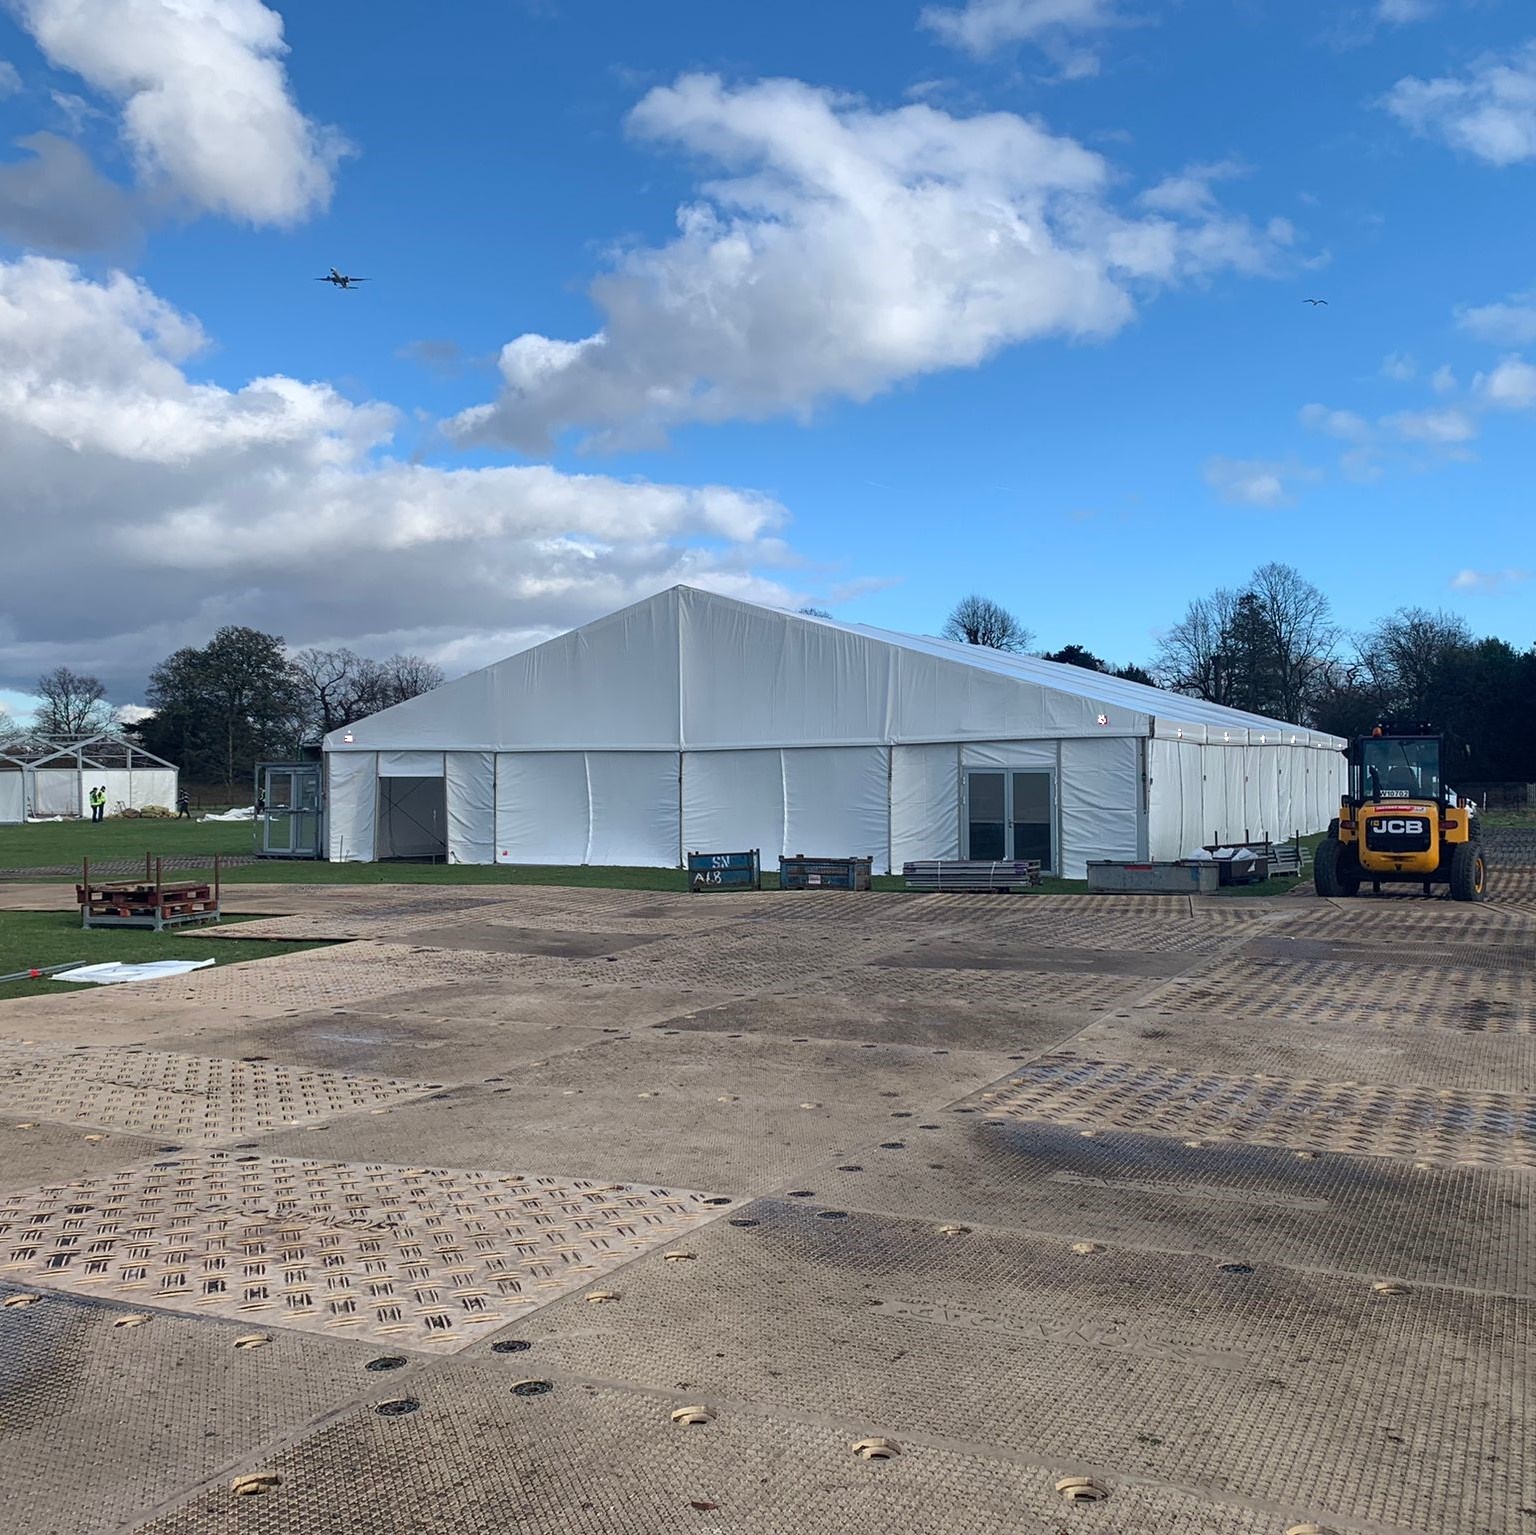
pixel 725 871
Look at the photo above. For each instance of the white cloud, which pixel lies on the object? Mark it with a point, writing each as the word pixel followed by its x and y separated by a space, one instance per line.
pixel 132 714
pixel 1489 111
pixel 843 250
pixel 137 490
pixel 1444 428
pixel 984 26
pixel 1343 424
pixel 1443 379
pixel 1399 13
pixel 1400 367
pixel 1253 481
pixel 10 81
pixel 206 106
pixel 1510 386
pixel 1488 582
pixel 1511 322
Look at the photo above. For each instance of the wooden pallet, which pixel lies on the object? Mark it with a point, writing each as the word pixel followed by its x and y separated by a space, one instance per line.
pixel 148 903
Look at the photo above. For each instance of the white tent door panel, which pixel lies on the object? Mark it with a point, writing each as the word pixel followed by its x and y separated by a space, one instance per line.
pixel 836 803
pixel 1100 802
pixel 13 798
pixel 351 800
pixel 633 809
pixel 734 801
pixel 925 803
pixel 413 819
pixel 471 779
pixel 541 807
pixel 57 792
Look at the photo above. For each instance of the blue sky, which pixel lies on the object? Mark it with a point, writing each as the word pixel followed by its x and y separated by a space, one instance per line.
pixel 1004 296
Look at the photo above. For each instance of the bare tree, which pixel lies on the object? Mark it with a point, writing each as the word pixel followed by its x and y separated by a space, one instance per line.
pixel 1195 655
pixel 1301 633
pixel 340 686
pixel 977 620
pixel 327 681
pixel 1405 656
pixel 411 676
pixel 73 704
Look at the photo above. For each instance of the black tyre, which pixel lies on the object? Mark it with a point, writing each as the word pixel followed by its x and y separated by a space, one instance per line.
pixel 1335 869
pixel 1469 872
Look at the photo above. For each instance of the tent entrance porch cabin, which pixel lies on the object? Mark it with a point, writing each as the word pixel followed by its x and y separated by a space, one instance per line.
pixel 692 721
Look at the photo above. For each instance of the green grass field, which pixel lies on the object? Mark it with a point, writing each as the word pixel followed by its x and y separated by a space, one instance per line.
pixel 64 843
pixel 31 940
pixel 67 842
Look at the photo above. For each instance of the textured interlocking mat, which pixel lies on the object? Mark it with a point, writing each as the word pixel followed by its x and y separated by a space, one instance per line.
pixel 425 1257
pixel 594 1211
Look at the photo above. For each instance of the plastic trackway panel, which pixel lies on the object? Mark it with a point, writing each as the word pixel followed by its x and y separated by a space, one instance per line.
pixel 1403 1408
pixel 1461 1126
pixel 1342 993
pixel 429 1258
pixel 687 1108
pixel 391 1044
pixel 1382 1051
pixel 195 1099
pixel 954 1022
pixel 475 1458
pixel 107 1410
pixel 1409 950
pixel 1374 1217
pixel 1082 994
pixel 1018 952
pixel 33 1151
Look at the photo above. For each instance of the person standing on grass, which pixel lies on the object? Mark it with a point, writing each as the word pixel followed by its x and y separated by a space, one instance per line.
pixel 184 805
pixel 98 802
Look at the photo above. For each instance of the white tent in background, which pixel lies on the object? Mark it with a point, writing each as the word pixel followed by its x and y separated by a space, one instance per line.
pixel 47 776
pixel 692 721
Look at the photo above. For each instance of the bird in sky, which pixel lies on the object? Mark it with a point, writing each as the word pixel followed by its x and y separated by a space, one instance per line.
pixel 1314 301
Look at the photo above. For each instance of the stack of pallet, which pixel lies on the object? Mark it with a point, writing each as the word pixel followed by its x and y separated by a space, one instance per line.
pixel 146 903
pixel 971 874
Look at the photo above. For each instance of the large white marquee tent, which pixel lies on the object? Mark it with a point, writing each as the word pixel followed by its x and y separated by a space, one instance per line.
pixel 696 722
pixel 48 776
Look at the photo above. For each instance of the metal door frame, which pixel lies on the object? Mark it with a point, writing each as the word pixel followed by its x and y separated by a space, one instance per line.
pixel 314 815
pixel 1008 770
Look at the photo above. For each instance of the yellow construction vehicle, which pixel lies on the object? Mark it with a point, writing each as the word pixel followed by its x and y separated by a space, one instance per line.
pixel 1399 823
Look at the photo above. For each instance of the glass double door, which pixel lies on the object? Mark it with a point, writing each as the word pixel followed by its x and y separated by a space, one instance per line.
pixel 1011 814
pixel 289 824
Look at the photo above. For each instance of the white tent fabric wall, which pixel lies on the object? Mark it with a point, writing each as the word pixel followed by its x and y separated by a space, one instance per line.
pixel 587 808
pixel 734 801
pixel 352 797
pixel 925 802
pixel 1099 788
pixel 696 721
pixel 58 791
pixel 471 807
pixel 1200 794
pixel 135 790
pixel 13 798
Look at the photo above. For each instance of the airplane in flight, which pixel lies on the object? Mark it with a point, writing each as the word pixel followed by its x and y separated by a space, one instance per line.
pixel 339 279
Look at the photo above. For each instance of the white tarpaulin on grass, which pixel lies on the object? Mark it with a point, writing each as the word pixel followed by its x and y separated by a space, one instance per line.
pixel 117 975
pixel 696 722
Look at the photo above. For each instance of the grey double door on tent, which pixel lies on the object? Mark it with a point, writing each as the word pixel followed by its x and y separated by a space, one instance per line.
pixel 1009 813
pixel 290 819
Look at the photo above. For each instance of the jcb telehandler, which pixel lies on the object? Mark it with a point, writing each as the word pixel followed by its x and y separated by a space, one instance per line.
pixel 1399 823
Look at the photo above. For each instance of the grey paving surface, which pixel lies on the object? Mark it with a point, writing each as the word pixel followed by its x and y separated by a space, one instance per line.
pixel 1223 1205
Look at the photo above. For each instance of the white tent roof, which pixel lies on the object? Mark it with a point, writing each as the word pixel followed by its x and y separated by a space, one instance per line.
pixel 692 670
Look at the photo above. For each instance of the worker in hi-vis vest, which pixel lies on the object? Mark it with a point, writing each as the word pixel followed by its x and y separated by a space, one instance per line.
pixel 98 802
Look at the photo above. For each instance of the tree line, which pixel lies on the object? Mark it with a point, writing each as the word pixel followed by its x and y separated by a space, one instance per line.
pixel 1272 647
pixel 1269 647
pixel 240 699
